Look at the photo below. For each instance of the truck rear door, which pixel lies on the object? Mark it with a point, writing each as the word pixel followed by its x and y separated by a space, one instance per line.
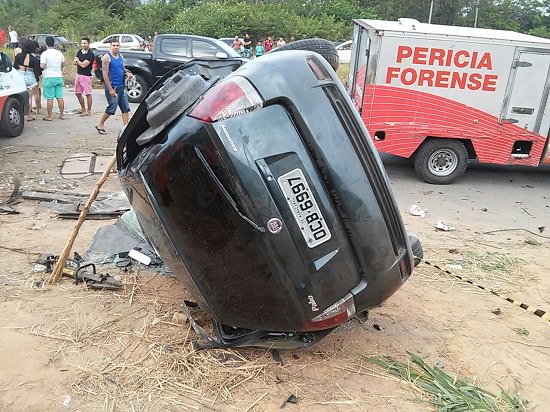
pixel 528 92
pixel 358 65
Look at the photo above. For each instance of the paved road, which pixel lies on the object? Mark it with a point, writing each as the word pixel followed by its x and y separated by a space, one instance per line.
pixel 59 132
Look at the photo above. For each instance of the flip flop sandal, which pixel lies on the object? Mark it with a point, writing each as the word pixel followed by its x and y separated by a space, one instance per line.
pixel 100 131
pixel 47 119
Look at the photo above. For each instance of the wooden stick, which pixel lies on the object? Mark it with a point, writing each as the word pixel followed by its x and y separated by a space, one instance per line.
pixel 58 269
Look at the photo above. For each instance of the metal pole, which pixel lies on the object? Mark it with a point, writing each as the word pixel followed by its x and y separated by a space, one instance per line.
pixel 431 11
pixel 477 11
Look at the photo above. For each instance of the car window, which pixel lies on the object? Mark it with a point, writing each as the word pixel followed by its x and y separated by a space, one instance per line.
pixel 140 39
pixel 127 39
pixel 175 47
pixel 204 49
pixel 110 39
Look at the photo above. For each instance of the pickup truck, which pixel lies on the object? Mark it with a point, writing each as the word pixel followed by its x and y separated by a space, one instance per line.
pixel 169 51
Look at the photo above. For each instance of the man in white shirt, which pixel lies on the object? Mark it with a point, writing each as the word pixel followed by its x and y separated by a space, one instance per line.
pixel 14 38
pixel 52 63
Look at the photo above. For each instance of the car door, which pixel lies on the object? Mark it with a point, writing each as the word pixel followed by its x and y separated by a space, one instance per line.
pixel 204 49
pixel 170 53
pixel 107 41
pixel 127 42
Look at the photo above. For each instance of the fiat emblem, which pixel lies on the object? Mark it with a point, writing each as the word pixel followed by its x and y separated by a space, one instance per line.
pixel 274 225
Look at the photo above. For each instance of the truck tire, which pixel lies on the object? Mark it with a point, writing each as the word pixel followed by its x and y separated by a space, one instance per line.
pixel 441 161
pixel 13 118
pixel 324 47
pixel 136 88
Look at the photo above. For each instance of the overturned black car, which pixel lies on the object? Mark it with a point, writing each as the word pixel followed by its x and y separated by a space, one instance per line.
pixel 260 188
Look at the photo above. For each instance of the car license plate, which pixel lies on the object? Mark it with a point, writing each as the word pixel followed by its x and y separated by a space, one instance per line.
pixel 304 208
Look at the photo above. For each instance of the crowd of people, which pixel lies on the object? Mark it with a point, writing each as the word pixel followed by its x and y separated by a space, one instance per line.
pixel 42 70
pixel 41 67
pixel 248 48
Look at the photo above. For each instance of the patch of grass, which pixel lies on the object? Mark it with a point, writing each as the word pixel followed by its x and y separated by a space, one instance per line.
pixel 521 331
pixel 343 72
pixel 448 393
pixel 492 262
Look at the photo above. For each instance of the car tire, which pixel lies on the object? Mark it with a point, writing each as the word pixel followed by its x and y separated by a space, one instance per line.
pixel 441 161
pixel 136 88
pixel 13 118
pixel 324 47
pixel 417 251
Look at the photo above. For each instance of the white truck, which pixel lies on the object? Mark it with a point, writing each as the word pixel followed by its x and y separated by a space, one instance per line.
pixel 444 95
pixel 14 99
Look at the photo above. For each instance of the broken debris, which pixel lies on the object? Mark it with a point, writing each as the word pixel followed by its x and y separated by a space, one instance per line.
pixel 440 225
pixel 416 210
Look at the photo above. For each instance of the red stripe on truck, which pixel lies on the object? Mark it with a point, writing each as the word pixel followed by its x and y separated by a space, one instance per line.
pixel 409 116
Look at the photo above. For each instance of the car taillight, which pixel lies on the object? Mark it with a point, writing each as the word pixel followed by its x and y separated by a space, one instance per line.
pixel 333 316
pixel 232 97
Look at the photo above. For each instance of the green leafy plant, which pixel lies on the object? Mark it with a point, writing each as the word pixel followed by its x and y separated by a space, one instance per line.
pixel 448 393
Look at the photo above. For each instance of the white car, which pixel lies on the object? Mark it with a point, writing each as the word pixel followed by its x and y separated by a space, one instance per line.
pixel 344 51
pixel 14 99
pixel 127 42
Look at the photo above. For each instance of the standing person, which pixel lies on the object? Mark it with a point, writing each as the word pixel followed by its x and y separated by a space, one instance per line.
pixel 237 44
pixel 52 63
pixel 83 81
pixel 38 89
pixel 115 91
pixel 28 65
pixel 13 37
pixel 2 37
pixel 259 49
pixel 281 42
pixel 247 46
pixel 268 44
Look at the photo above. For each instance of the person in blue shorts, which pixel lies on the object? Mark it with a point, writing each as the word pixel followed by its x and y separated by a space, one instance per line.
pixel 115 90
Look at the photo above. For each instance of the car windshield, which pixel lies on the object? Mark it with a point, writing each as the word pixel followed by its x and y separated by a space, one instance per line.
pixel 62 39
pixel 140 39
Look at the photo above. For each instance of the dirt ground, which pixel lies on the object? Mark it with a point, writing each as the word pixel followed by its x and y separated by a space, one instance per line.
pixel 66 347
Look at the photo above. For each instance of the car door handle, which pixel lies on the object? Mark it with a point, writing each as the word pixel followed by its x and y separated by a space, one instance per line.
pixel 161 60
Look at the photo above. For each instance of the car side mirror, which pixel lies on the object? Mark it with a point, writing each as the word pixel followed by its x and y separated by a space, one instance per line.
pixel 5 63
pixel 221 55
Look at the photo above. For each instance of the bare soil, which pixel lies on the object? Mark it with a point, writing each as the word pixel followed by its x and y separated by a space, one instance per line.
pixel 66 347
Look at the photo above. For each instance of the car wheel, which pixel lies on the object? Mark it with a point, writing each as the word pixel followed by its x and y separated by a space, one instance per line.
pixel 137 88
pixel 324 47
pixel 13 118
pixel 441 161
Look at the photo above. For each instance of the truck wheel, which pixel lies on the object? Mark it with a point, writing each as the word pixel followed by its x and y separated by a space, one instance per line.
pixel 12 122
pixel 324 47
pixel 137 88
pixel 441 161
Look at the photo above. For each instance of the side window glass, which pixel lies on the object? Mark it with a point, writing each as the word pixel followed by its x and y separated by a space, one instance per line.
pixel 110 39
pixel 204 49
pixel 175 47
pixel 126 39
